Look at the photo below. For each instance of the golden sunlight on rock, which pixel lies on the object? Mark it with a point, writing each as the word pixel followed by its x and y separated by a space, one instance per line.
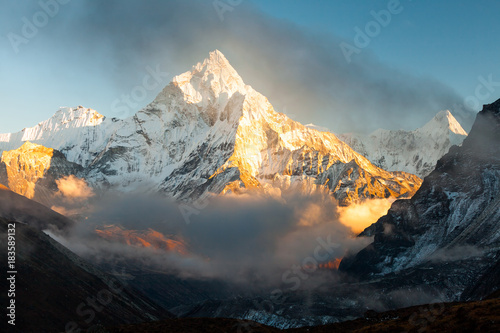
pixel 25 166
pixel 143 238
pixel 333 264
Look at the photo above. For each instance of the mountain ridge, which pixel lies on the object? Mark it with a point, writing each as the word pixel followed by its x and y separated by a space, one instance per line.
pixel 33 170
pixel 207 132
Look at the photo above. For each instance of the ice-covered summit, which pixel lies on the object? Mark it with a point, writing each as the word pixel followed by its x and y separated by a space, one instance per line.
pixel 208 80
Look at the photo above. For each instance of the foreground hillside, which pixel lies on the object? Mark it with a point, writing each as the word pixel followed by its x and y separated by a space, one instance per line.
pixel 480 316
pixel 55 290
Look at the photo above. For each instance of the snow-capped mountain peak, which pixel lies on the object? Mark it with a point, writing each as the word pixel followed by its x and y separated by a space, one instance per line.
pixel 444 120
pixel 208 80
pixel 77 117
pixel 64 118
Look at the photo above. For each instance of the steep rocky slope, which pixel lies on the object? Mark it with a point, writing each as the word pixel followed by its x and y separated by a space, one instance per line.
pixel 18 208
pixel 488 284
pixel 454 215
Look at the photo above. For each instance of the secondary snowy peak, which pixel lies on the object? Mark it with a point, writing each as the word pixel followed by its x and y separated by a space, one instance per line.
pixel 411 151
pixel 75 117
pixel 64 118
pixel 443 121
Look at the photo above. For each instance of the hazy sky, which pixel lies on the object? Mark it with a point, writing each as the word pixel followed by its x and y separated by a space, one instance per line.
pixel 425 56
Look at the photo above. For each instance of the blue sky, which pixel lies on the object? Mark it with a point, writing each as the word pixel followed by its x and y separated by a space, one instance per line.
pixel 454 41
pixel 90 53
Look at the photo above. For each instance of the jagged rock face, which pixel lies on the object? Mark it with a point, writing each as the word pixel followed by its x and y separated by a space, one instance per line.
pixel 208 132
pixel 31 170
pixel 415 151
pixel 349 182
pixel 457 207
pixel 4 178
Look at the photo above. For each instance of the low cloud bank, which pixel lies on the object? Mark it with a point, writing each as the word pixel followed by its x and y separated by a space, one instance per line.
pixel 246 239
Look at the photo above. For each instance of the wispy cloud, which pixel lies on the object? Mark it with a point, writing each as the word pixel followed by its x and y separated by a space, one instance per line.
pixel 73 188
pixel 72 196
